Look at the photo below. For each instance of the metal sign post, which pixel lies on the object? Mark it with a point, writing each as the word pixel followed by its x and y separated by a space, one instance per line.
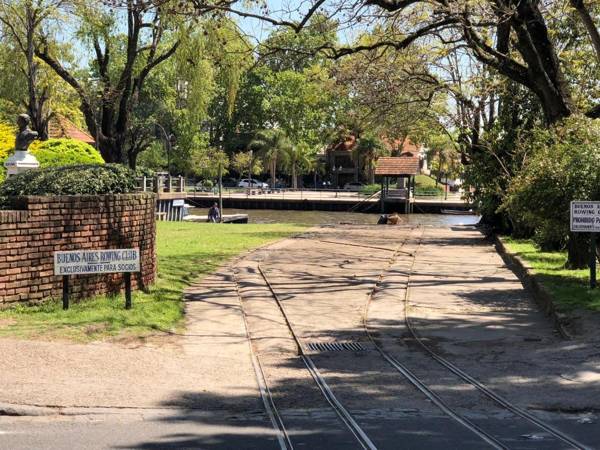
pixel 592 260
pixel 85 262
pixel 585 217
pixel 65 296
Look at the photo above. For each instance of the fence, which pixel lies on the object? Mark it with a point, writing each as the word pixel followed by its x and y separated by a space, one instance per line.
pixel 162 183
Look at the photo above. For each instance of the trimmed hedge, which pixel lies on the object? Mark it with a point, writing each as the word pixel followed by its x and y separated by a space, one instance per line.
pixel 64 152
pixel 71 180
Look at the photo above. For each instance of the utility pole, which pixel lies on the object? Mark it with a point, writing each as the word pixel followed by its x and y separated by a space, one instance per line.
pixel 220 191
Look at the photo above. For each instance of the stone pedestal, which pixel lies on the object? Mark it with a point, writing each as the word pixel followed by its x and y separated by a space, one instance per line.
pixel 20 161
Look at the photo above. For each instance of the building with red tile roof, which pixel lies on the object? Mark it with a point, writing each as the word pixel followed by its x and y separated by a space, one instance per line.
pixel 60 127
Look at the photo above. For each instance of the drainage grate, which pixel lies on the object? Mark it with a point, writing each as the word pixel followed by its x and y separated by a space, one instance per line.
pixel 335 346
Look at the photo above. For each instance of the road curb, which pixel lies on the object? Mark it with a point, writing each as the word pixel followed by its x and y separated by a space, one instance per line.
pixel 24 410
pixel 540 294
pixel 10 409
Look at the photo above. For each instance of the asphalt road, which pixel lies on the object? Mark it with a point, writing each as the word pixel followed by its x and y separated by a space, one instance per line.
pixel 222 431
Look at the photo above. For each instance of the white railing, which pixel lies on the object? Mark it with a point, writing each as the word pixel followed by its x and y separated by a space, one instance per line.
pixel 162 183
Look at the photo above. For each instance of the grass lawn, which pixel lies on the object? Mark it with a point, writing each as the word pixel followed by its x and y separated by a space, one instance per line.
pixel 425 181
pixel 570 288
pixel 186 251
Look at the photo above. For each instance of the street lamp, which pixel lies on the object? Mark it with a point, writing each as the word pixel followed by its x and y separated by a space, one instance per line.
pixel 168 139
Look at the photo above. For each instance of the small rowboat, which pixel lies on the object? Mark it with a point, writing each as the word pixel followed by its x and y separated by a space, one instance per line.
pixel 457 212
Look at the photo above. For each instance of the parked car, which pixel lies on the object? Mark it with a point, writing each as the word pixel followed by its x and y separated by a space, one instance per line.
pixel 252 183
pixel 354 186
pixel 230 182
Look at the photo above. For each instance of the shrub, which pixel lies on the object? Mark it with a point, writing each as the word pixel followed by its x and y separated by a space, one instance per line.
pixel 370 189
pixel 430 191
pixel 7 140
pixel 64 152
pixel 71 180
pixel 563 164
pixel 7 143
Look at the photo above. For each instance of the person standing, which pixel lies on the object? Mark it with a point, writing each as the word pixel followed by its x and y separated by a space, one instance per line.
pixel 214 215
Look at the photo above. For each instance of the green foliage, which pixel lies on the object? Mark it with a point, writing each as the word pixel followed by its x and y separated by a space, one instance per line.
pixel 301 103
pixel 429 191
pixel 424 181
pixel 563 164
pixel 64 152
pixel 271 146
pixel 210 163
pixel 71 180
pixel 7 143
pixel 285 49
pixel 370 189
pixel 7 140
pixel 369 148
pixel 490 169
pixel 154 158
pixel 241 164
pixel 297 160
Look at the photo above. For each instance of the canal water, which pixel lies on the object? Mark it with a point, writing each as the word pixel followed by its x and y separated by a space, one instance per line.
pixel 329 217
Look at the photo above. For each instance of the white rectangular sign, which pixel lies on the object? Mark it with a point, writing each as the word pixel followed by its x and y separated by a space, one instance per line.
pixel 78 262
pixel 585 216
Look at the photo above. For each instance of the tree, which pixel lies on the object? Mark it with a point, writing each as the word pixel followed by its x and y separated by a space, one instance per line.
pixel 272 145
pixel 118 77
pixel 301 103
pixel 297 160
pixel 213 163
pixel 22 20
pixel 511 37
pixel 368 149
pixel 246 162
pixel 285 49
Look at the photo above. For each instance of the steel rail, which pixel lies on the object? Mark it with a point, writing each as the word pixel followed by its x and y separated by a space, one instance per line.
pixel 340 410
pixel 411 377
pixel 474 382
pixel 283 437
pixel 351 244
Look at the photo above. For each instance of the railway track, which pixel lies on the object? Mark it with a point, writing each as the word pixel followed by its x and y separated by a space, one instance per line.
pixel 342 412
pixel 419 384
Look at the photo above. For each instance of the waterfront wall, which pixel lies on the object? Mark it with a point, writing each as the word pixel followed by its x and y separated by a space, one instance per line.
pixel 391 206
pixel 39 226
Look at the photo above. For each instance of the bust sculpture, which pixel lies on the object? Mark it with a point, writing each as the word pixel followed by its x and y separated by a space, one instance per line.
pixel 26 135
pixel 21 160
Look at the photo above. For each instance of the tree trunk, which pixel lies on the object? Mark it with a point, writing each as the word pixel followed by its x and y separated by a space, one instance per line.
pixel 588 22
pixel 578 251
pixel 294 177
pixel 544 73
pixel 273 172
pixel 36 103
pixel 220 193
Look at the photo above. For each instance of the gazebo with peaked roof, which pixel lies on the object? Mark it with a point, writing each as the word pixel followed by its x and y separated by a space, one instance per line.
pixel 404 167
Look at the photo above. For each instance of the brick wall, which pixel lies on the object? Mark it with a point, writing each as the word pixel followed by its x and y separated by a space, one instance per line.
pixel 39 226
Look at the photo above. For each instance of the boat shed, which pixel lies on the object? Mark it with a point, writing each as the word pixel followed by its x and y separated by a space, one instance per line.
pixel 402 168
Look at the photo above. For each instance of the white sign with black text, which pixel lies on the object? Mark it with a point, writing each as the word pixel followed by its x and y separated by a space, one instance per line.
pixel 79 262
pixel 585 216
